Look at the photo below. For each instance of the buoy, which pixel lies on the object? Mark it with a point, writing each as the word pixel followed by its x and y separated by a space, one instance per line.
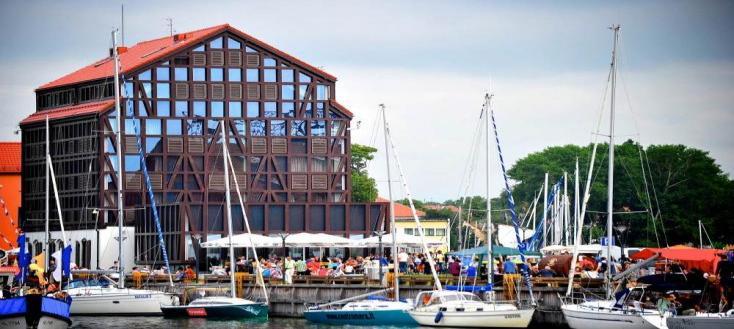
pixel 438 317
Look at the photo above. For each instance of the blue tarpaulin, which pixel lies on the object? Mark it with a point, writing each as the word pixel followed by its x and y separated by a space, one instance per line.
pixel 484 288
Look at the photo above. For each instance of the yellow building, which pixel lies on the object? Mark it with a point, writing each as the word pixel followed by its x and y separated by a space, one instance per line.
pixel 436 230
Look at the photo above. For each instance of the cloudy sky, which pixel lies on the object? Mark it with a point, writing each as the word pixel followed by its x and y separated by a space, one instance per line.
pixel 431 62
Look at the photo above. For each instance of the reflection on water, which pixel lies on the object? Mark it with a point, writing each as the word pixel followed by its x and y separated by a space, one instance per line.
pixel 160 322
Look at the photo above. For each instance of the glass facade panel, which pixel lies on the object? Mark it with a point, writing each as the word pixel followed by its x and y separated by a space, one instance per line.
pixel 257 128
pixel 216 74
pixel 199 74
pixel 162 74
pixel 216 43
pixel 234 75
pixel 277 128
pixel 241 127
pixel 173 127
pixel 322 92
pixel 288 109
pixel 148 88
pixel 298 128
pixel 253 109
pixel 131 125
pixel 270 110
pixel 217 109
pixel 269 75
pixel 252 75
pixel 286 75
pixel 195 127
pixel 303 78
pixel 152 145
pixel 152 126
pixel 199 109
pixel 199 48
pixel 318 128
pixel 302 91
pixel 144 75
pixel 181 74
pixel 132 163
pixel 288 92
pixel 182 108
pixel 268 61
pixel 233 44
pixel 235 109
pixel 163 108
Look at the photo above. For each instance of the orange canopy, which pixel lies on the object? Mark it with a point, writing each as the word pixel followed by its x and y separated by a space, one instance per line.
pixel 703 259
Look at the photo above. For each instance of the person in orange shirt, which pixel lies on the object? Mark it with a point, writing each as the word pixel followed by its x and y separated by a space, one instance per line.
pixel 189 273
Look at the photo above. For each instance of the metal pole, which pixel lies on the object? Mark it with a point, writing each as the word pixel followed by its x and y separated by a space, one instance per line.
pixel 566 222
pixel 393 229
pixel 120 154
pixel 227 199
pixel 48 170
pixel 490 259
pixel 610 178
pixel 700 235
pixel 577 223
pixel 545 210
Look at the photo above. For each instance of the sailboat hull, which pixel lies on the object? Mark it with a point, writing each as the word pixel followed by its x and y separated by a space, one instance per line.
pixel 118 302
pixel 583 317
pixel 34 311
pixel 360 317
pixel 477 319
pixel 247 311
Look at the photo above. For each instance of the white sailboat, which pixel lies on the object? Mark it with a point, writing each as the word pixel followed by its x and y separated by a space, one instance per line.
pixel 441 308
pixel 370 311
pixel 607 313
pixel 225 307
pixel 114 298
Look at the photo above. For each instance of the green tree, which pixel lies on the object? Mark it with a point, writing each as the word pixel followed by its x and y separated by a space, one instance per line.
pixel 364 187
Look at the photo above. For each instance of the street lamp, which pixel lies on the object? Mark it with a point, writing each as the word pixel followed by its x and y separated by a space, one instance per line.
pixel 621 228
pixel 282 237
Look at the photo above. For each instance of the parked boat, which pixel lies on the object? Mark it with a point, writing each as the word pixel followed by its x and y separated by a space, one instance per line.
pixel 34 311
pixel 230 307
pixel 602 314
pixel 464 309
pixel 368 312
pixel 698 321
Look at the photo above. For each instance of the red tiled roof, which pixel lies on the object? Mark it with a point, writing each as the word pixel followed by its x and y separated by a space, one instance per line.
pixel 401 210
pixel 341 108
pixel 68 111
pixel 10 157
pixel 147 52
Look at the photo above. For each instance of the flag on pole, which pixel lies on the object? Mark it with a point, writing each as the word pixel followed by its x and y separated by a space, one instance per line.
pixel 66 262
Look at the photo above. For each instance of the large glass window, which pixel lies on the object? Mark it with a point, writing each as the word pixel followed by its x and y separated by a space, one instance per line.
pixel 240 126
pixel 235 109
pixel 269 75
pixel 144 75
pixel 182 108
pixel 162 74
pixel 152 145
pixel 131 125
pixel 199 48
pixel 318 128
pixel 217 109
pixel 286 75
pixel 233 44
pixel 199 74
pixel 132 163
pixel 199 109
pixel 322 92
pixel 302 78
pixel 288 92
pixel 271 109
pixel 277 127
pixel 148 88
pixel 335 127
pixel 252 75
pixel 163 108
pixel 234 75
pixel 142 109
pixel 181 73
pixel 152 126
pixel 257 128
pixel 253 109
pixel 288 109
pixel 128 89
pixel 267 61
pixel 302 91
pixel 298 128
pixel 216 43
pixel 195 127
pixel 173 127
pixel 217 74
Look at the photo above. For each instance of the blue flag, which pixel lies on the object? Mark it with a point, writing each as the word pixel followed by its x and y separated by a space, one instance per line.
pixel 23 259
pixel 66 261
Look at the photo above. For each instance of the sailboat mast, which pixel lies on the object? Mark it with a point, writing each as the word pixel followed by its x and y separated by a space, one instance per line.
pixel 120 217
pixel 48 164
pixel 393 229
pixel 227 199
pixel 545 210
pixel 610 178
pixel 576 225
pixel 490 259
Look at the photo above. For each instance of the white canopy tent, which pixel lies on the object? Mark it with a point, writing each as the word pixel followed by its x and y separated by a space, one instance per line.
pixel 243 241
pixel 305 239
pixel 406 240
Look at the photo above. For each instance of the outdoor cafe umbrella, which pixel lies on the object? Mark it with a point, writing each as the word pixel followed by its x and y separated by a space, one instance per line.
pixel 243 241
pixel 402 238
pixel 305 239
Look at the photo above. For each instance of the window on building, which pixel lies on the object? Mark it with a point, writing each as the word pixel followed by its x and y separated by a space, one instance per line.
pixel 286 75
pixel 288 92
pixel 152 126
pixel 217 74
pixel 267 61
pixel 173 127
pixel 162 74
pixel 277 128
pixel 199 109
pixel 181 74
pixel 440 232
pixel 253 109
pixel 233 44
pixel 318 128
pixel 270 109
pixel 144 75
pixel 298 128
pixel 217 109
pixel 216 43
pixel 132 163
pixel 257 128
pixel 408 230
pixel 303 78
pixel 322 92
pixel 288 109
pixel 199 48
pixel 163 108
pixel 195 127
pixel 234 75
pixel 241 127
pixel 131 125
pixel 269 75
pixel 235 109
pixel 182 108
pixel 252 75
pixel 199 74
pixel 152 145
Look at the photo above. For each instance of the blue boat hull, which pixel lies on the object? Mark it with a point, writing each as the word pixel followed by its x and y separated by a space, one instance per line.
pixel 361 317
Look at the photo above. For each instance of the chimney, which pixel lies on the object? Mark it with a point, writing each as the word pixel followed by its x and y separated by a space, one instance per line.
pixel 120 50
pixel 182 36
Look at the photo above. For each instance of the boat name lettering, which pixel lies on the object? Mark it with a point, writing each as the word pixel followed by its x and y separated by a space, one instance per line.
pixel 512 316
pixel 351 316
pixel 142 296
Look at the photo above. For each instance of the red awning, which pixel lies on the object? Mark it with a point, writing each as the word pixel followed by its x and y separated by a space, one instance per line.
pixel 9 270
pixel 703 259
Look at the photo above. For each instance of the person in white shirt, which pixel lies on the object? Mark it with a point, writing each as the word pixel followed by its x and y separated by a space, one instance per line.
pixel 403 261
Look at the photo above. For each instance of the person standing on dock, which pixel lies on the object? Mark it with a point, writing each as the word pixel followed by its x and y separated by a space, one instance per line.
pixel 290 266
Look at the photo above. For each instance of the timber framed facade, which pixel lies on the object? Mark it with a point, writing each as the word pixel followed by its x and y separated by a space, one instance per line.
pixel 288 137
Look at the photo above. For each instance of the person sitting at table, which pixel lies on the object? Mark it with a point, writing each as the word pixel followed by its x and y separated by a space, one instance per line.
pixel 547 272
pixel 313 266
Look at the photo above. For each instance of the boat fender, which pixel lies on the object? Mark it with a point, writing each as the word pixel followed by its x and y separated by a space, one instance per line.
pixel 730 312
pixel 175 301
pixel 438 317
